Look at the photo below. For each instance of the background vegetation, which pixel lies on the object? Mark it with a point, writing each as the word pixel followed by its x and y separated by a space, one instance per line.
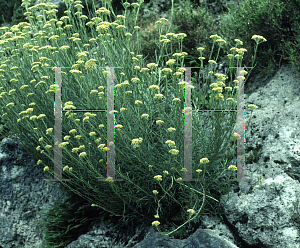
pixel 277 21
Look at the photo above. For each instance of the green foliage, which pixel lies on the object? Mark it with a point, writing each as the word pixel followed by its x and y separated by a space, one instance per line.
pixel 1 131
pixel 66 221
pixel 270 19
pixel 4 131
pixel 11 12
pixel 18 14
pixel 292 45
pixel 7 8
pixel 197 24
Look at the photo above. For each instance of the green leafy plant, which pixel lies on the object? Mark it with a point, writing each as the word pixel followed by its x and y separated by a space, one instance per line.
pixel 197 23
pixel 6 10
pixel 270 19
pixel 291 41
pixel 149 112
pixel 12 13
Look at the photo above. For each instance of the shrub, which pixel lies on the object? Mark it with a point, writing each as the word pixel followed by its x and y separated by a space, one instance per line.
pixel 11 12
pixel 271 19
pixel 149 115
pixel 197 23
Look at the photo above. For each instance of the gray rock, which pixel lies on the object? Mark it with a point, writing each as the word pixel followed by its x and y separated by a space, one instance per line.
pixel 262 211
pixel 23 193
pixel 201 238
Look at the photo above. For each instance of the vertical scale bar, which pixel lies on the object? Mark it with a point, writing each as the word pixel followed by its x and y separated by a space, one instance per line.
pixel 58 129
pixel 240 128
pixel 188 149
pixel 110 127
pixel 188 138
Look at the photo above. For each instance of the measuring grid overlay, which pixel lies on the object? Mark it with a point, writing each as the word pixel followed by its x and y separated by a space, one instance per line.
pixel 110 127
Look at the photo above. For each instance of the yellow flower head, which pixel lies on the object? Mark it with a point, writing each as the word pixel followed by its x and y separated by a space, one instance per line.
pixel 204 161
pixel 236 135
pixel 155 223
pixel 191 211
pixel 158 177
pixel 232 168
pixel 252 106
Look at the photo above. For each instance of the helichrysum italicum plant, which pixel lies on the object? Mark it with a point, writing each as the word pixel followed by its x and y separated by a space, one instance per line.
pixel 149 138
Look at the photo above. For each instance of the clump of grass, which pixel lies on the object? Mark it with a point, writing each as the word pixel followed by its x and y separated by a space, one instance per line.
pixel 149 115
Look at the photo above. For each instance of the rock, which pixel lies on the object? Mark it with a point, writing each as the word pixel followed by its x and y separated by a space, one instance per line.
pixel 23 193
pixel 22 199
pixel 201 238
pixel 262 211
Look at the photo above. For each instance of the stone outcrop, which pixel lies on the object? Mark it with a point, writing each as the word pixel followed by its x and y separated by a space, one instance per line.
pixel 202 238
pixel 23 193
pixel 262 212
